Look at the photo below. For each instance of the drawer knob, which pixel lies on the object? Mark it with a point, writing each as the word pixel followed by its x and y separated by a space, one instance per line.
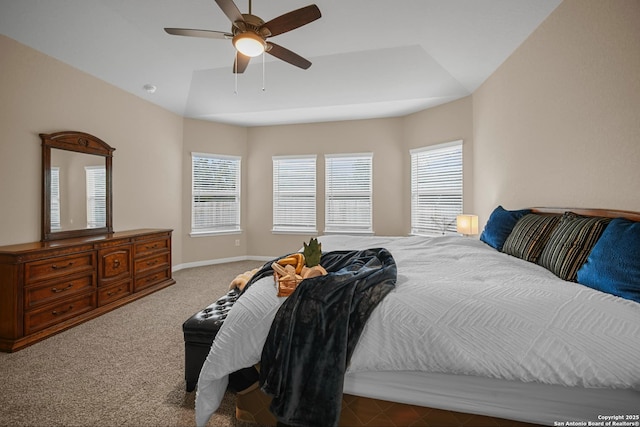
pixel 116 263
pixel 150 263
pixel 57 313
pixel 61 267
pixel 56 290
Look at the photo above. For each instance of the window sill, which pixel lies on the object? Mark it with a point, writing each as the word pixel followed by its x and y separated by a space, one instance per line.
pixel 213 233
pixel 299 232
pixel 351 232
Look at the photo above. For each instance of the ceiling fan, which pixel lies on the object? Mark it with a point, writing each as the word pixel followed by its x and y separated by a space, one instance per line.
pixel 249 33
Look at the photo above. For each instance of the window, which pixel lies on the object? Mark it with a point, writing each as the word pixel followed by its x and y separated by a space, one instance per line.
pixel 215 194
pixel 436 188
pixel 294 194
pixel 348 193
pixel 96 196
pixel 55 199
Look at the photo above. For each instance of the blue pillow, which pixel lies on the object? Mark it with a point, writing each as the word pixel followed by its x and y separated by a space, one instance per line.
pixel 499 226
pixel 613 266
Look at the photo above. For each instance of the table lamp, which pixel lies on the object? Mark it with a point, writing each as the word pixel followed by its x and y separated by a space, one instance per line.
pixel 467 224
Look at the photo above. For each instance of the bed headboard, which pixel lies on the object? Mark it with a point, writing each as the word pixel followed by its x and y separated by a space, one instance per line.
pixel 607 213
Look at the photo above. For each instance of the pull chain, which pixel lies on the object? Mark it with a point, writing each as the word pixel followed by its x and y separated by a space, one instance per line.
pixel 235 74
pixel 263 73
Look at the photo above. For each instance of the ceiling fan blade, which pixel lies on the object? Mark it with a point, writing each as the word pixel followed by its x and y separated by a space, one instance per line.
pixel 287 56
pixel 230 9
pixel 292 20
pixel 209 34
pixel 241 62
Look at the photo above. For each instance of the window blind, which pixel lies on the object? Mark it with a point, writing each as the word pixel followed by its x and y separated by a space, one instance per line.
pixel 436 188
pixel 96 196
pixel 55 198
pixel 348 193
pixel 215 201
pixel 294 194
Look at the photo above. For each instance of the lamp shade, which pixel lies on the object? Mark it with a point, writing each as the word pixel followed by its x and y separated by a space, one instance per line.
pixel 249 44
pixel 467 224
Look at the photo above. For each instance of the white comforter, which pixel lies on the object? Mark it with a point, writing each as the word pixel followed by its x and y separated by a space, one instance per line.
pixel 459 307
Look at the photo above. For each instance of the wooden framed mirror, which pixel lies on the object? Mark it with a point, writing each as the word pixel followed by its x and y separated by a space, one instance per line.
pixel 76 185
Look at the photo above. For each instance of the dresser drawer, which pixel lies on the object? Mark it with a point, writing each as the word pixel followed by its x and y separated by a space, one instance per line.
pixel 107 294
pixel 151 279
pixel 44 317
pixel 58 267
pixel 51 291
pixel 148 247
pixel 115 264
pixel 150 263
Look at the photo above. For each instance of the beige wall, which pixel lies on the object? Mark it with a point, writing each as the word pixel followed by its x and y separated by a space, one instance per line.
pixel 388 139
pixel 43 95
pixel 448 122
pixel 213 138
pixel 558 124
pixel 382 137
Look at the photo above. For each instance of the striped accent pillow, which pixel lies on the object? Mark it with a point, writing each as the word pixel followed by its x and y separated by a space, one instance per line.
pixel 570 244
pixel 529 236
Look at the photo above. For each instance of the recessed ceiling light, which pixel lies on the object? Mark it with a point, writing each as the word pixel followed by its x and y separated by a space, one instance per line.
pixel 149 88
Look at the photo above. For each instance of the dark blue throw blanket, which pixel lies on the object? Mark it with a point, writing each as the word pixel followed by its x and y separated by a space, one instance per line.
pixel 315 333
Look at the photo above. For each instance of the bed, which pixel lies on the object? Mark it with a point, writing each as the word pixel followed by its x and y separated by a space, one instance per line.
pixel 471 334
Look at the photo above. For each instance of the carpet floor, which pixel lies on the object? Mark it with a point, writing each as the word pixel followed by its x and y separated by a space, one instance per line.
pixel 125 368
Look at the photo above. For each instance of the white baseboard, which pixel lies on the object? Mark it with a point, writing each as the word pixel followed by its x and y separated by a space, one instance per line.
pixel 187 265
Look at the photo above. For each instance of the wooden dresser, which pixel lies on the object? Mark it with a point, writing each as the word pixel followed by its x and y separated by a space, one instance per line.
pixel 47 287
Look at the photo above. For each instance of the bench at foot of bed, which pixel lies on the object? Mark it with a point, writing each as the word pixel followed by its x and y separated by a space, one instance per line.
pixel 199 331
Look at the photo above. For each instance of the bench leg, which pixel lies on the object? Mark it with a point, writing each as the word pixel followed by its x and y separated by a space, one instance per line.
pixel 194 356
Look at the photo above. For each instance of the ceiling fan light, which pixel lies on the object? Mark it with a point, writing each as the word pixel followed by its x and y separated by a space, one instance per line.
pixel 249 44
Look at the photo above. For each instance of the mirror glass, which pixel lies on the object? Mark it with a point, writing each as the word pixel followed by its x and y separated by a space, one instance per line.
pixel 76 189
pixel 77 186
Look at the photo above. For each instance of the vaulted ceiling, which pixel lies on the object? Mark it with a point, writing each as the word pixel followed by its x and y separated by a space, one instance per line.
pixel 371 58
